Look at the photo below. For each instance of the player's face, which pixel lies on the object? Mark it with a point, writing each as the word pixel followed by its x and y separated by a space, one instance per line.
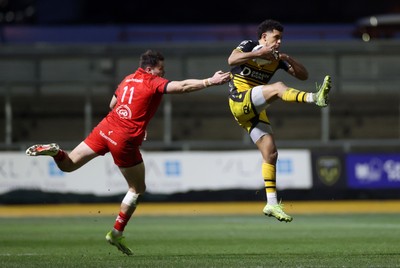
pixel 273 38
pixel 158 70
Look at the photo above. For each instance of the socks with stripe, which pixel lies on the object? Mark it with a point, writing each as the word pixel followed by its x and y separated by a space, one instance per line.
pixel 121 222
pixel 269 175
pixel 294 95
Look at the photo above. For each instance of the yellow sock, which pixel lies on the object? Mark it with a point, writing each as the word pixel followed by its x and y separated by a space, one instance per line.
pixel 269 175
pixel 294 95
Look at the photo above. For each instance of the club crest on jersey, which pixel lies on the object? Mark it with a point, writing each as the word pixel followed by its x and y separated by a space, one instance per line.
pixel 124 112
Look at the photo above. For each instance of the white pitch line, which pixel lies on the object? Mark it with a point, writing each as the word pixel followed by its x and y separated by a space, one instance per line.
pixel 21 254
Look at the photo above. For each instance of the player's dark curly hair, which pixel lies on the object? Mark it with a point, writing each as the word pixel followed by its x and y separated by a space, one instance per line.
pixel 268 26
pixel 150 58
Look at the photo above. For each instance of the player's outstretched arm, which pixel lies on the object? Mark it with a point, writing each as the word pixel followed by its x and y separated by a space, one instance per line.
pixel 190 85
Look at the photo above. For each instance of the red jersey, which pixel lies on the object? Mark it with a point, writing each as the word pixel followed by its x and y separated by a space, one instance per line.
pixel 138 98
pixel 122 131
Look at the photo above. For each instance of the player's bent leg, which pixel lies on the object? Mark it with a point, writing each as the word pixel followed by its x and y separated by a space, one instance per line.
pixel 277 212
pixel 135 177
pixel 119 243
pixel 51 149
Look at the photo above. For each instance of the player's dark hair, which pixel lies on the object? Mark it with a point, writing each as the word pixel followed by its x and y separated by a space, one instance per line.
pixel 268 26
pixel 150 58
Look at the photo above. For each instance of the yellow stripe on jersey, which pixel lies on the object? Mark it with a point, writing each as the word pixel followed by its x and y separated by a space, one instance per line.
pixel 251 74
pixel 243 83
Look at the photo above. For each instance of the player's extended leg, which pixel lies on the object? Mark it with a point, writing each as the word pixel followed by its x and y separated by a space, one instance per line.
pixel 135 179
pixel 66 162
pixel 279 90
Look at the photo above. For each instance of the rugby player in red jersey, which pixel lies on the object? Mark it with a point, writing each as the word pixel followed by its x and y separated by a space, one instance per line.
pixel 122 131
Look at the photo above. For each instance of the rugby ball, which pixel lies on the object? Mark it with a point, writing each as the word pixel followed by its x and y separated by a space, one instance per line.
pixel 260 61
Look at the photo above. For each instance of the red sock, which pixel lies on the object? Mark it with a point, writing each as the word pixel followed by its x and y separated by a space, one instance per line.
pixel 121 221
pixel 59 156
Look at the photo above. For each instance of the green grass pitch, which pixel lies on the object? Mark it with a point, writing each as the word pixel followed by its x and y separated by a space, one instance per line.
pixel 358 240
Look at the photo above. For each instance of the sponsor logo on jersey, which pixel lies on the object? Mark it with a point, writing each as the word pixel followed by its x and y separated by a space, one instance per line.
pixel 134 80
pixel 254 74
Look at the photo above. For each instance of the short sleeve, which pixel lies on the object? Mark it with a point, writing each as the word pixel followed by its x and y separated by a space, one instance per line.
pixel 159 84
pixel 247 45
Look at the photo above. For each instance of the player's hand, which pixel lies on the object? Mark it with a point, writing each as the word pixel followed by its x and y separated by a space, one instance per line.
pixel 220 78
pixel 269 53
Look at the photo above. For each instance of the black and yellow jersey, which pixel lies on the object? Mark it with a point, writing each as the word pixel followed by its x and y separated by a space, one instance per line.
pixel 250 74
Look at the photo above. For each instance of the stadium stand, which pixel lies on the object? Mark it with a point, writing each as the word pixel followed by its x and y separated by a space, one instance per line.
pixel 65 89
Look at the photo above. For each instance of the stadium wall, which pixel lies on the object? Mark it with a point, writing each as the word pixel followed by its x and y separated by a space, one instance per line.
pixel 228 176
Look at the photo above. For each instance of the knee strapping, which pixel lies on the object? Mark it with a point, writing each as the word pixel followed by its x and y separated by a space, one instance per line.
pixel 130 198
